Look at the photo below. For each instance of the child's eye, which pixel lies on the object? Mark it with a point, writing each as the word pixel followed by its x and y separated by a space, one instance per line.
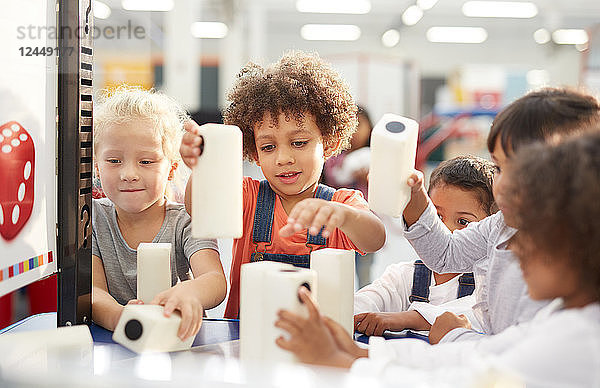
pixel 299 144
pixel 113 161
pixel 267 148
pixel 146 162
pixel 463 221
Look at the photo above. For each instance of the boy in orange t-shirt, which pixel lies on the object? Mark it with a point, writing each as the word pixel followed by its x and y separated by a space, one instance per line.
pixel 293 115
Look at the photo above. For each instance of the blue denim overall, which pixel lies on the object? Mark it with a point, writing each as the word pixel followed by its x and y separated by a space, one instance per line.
pixel 422 281
pixel 263 225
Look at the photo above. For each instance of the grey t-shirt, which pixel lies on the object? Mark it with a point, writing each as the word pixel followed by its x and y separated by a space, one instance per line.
pixel 500 290
pixel 120 260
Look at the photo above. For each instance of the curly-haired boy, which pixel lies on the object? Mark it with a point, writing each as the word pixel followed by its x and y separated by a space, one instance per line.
pixel 293 115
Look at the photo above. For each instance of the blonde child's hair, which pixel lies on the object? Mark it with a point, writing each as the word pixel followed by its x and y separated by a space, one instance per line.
pixel 130 103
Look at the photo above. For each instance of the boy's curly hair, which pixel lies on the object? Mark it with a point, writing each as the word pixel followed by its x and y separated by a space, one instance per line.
pixel 556 192
pixel 468 173
pixel 299 83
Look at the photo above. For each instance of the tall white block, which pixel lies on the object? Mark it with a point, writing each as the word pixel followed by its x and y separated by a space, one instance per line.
pixel 393 152
pixel 335 282
pixel 217 184
pixel 144 328
pixel 266 288
pixel 153 270
pixel 252 300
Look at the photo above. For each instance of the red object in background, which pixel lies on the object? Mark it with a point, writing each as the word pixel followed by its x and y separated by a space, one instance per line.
pixel 43 295
pixel 6 307
pixel 42 298
pixel 17 158
pixel 487 99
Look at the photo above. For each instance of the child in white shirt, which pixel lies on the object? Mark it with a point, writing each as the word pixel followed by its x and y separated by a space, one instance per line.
pixel 405 296
pixel 551 195
pixel 501 298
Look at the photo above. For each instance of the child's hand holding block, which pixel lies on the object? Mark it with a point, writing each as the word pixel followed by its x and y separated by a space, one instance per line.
pixel 144 328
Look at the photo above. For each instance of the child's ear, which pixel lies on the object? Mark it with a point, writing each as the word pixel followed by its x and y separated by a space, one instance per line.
pixel 174 166
pixel 331 149
pixel 255 158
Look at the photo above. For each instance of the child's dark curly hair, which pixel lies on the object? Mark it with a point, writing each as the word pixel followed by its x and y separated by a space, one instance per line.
pixel 298 84
pixel 556 192
pixel 543 115
pixel 468 173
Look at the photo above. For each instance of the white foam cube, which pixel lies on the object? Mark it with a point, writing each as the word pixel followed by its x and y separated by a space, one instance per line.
pixel 144 328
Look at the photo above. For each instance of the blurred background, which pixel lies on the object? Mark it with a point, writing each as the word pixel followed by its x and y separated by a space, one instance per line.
pixel 449 64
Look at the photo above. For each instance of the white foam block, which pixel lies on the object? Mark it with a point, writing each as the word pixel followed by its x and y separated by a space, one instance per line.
pixel 393 152
pixel 266 288
pixel 144 328
pixel 217 206
pixel 153 270
pixel 281 293
pixel 252 285
pixel 335 281
pixel 26 346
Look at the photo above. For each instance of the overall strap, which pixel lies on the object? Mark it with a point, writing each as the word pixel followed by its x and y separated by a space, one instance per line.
pixel 421 283
pixel 326 193
pixel 263 215
pixel 466 284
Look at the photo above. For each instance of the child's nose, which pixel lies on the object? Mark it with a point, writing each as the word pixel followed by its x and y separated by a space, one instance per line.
pixel 129 173
pixel 284 156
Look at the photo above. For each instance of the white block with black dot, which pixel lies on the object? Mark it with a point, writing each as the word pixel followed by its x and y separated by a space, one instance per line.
pixel 144 328
pixel 393 152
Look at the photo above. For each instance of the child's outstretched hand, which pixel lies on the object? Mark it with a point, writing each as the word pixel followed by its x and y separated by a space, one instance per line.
pixel 191 144
pixel 313 214
pixel 444 324
pixel 310 338
pixel 378 323
pixel 182 297
pixel 418 198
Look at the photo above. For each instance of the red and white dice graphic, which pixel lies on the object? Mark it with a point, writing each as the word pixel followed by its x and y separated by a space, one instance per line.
pixel 17 161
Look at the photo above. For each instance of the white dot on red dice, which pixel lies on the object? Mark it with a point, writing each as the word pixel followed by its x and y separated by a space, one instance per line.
pixel 6 148
pixel 6 132
pixel 23 137
pixel 15 142
pixel 1 215
pixel 26 170
pixel 21 193
pixel 15 127
pixel 15 214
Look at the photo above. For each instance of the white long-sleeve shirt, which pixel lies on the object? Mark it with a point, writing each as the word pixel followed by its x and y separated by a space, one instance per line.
pixel 391 292
pixel 558 348
pixel 501 293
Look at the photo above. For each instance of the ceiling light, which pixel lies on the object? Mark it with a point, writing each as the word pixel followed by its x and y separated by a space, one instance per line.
pixel 412 15
pixel 456 34
pixel 390 38
pixel 499 9
pixel 101 10
pixel 426 4
pixel 209 30
pixel 541 36
pixel 570 36
pixel 330 32
pixel 334 6
pixel 147 5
